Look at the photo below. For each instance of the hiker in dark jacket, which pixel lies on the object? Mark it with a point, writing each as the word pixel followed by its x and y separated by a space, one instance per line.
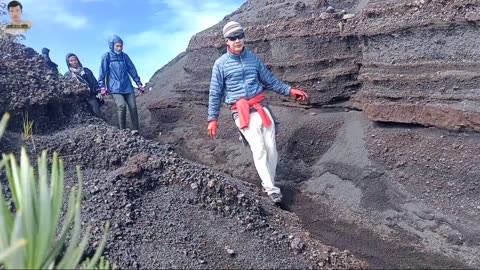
pixel 115 71
pixel 48 62
pixel 85 75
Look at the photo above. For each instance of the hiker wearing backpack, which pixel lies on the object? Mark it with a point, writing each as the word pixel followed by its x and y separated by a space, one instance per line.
pixel 85 75
pixel 115 69
pixel 240 78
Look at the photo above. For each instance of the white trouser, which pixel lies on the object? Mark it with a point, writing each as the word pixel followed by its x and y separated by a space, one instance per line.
pixel 264 149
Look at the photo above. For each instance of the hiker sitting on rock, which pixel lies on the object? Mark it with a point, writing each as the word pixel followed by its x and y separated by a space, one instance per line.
pixel 85 75
pixel 115 69
pixel 48 62
pixel 241 77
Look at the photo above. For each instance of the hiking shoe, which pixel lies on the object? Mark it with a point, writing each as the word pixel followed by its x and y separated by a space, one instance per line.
pixel 276 197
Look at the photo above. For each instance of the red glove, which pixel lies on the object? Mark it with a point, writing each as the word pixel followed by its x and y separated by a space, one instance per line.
pixel 103 90
pixel 212 128
pixel 298 94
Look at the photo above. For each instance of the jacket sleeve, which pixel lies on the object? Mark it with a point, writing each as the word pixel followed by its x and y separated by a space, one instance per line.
pixel 92 81
pixel 132 70
pixel 68 75
pixel 103 71
pixel 216 92
pixel 270 81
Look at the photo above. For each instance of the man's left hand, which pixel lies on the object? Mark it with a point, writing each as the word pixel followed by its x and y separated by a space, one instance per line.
pixel 298 94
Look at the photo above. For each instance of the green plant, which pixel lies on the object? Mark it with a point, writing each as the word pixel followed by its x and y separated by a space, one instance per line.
pixel 28 237
pixel 103 264
pixel 27 127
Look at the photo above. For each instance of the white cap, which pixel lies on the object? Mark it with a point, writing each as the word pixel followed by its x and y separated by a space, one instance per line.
pixel 232 28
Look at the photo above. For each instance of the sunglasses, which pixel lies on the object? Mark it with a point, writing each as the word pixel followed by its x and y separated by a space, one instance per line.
pixel 239 36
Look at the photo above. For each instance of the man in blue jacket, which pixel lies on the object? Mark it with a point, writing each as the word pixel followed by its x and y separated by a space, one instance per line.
pixel 115 69
pixel 240 77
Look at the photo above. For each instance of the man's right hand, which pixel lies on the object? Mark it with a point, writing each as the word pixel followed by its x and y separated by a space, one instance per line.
pixel 298 94
pixel 103 90
pixel 212 128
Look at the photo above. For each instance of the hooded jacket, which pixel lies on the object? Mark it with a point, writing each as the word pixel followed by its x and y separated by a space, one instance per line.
pixel 115 69
pixel 87 77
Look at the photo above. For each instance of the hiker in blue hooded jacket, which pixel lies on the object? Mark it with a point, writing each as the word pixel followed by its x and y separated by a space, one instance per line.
pixel 85 75
pixel 115 69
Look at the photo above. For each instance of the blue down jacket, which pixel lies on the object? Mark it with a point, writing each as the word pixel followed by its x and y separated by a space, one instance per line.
pixel 240 76
pixel 115 69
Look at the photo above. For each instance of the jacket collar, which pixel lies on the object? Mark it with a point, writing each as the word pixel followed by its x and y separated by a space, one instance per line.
pixel 237 56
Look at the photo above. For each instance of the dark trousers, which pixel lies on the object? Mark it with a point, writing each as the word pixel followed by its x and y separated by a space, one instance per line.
pixel 94 105
pixel 122 101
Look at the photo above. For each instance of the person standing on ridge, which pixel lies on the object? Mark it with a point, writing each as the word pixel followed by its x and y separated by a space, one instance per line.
pixel 115 69
pixel 48 62
pixel 240 77
pixel 85 75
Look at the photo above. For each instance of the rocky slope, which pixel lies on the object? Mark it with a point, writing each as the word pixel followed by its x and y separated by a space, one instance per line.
pixel 165 211
pixel 397 195
pixel 420 63
pixel 27 86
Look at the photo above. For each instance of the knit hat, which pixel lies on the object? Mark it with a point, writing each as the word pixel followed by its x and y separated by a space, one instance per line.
pixel 231 29
pixel 45 51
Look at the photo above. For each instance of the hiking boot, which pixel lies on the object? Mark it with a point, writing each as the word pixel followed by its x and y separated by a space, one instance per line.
pixel 276 197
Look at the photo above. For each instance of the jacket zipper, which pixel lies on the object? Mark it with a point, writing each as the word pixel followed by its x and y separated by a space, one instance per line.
pixel 244 80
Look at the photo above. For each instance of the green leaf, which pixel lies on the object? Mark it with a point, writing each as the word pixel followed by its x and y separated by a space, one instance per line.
pixel 98 253
pixel 28 206
pixel 67 222
pixel 45 229
pixel 17 259
pixel 72 259
pixel 13 178
pixel 77 225
pixel 56 187
pixel 66 261
pixel 3 123
pixel 7 253
pixel 6 221
pixel 78 253
pixel 56 193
